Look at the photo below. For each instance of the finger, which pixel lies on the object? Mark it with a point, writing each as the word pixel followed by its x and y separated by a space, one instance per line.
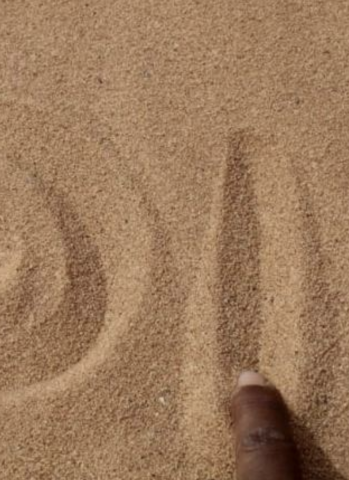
pixel 265 449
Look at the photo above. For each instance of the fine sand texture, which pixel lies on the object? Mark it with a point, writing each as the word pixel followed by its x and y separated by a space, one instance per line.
pixel 174 192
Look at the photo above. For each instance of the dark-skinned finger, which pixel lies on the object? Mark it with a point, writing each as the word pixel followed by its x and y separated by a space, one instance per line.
pixel 265 449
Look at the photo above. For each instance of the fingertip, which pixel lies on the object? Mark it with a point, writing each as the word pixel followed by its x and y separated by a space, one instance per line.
pixel 250 377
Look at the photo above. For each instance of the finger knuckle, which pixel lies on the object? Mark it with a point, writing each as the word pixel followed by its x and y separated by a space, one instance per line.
pixel 264 437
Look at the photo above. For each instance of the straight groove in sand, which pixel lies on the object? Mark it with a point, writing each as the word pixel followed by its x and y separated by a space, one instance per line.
pixel 238 263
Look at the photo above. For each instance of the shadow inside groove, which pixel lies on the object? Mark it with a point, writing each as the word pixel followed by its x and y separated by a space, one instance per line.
pixel 80 316
pixel 53 345
pixel 238 262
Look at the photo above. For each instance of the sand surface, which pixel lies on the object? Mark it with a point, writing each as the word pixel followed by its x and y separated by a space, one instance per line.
pixel 173 208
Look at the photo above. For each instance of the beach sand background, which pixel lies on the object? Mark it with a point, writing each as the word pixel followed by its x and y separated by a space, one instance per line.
pixel 173 209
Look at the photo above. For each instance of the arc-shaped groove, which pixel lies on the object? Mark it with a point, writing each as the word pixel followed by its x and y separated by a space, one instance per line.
pixel 320 327
pixel 321 308
pixel 135 395
pixel 138 388
pixel 82 310
pixel 201 414
pixel 61 340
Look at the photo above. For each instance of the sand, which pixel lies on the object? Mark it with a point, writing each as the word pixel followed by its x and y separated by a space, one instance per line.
pixel 174 208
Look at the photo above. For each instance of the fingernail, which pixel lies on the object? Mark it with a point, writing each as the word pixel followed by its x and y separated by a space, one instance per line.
pixel 249 377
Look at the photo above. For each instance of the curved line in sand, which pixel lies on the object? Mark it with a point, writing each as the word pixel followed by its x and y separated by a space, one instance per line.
pixel 323 330
pixel 83 280
pixel 201 364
